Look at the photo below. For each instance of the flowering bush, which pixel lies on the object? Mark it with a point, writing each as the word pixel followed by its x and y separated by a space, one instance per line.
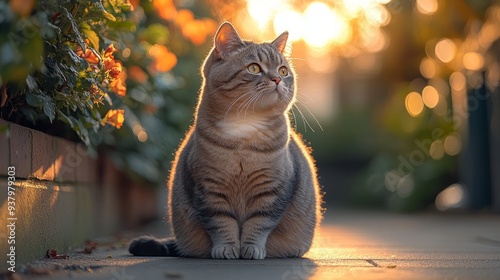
pixel 102 72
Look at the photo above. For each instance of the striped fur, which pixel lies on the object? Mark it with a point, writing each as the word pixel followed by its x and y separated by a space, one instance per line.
pixel 243 184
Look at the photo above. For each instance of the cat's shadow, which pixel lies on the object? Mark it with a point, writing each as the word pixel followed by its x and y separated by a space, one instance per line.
pixel 280 269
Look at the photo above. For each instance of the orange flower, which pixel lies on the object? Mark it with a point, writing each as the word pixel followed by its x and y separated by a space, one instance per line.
pixel 163 59
pixel 116 70
pixel 115 117
pixel 89 55
pixel 165 8
pixel 134 3
pixel 118 87
pixel 109 62
pixel 117 84
pixel 137 74
pixel 22 7
pixel 183 17
pixel 198 30
pixel 109 51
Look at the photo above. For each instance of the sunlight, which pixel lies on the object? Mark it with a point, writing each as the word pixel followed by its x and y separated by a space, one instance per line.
pixel 291 21
pixel 355 7
pixel 262 16
pixel 377 15
pixel 322 26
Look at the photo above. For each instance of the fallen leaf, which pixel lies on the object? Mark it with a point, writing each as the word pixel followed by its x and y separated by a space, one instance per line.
pixel 391 266
pixel 89 247
pixel 52 254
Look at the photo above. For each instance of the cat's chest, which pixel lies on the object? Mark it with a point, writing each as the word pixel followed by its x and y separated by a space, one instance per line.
pixel 244 127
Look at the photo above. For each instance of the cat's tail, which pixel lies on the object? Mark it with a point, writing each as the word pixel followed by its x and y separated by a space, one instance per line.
pixel 150 246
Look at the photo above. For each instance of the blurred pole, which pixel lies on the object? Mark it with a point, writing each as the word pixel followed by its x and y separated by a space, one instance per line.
pixel 477 162
pixel 495 148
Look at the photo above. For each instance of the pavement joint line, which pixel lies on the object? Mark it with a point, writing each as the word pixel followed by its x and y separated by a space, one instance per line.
pixel 372 263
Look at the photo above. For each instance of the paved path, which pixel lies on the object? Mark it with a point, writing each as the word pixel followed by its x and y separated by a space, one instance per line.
pixel 351 245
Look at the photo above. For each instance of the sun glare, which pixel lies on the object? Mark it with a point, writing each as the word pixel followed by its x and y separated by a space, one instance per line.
pixel 291 21
pixel 322 25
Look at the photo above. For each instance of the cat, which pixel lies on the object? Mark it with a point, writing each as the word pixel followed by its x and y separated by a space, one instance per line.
pixel 243 184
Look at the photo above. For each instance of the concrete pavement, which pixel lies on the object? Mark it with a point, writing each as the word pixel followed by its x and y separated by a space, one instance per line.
pixel 350 245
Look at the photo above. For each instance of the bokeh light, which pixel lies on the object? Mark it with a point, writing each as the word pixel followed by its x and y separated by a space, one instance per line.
pixel 445 50
pixel 428 68
pixel 324 26
pixel 458 81
pixel 427 7
pixel 452 144
pixel 347 27
pixel 473 61
pixel 291 21
pixel 430 96
pixel 414 104
pixel 437 149
pixel 451 197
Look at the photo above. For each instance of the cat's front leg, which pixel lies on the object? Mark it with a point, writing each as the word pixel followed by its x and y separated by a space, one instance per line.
pixel 254 235
pixel 223 229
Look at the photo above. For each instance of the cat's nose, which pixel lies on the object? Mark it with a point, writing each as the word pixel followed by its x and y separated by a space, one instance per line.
pixel 276 80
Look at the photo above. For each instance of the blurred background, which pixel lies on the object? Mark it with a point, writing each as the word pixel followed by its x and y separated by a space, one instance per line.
pixel 398 98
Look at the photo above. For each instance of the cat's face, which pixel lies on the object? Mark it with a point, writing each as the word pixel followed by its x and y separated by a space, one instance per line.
pixel 244 78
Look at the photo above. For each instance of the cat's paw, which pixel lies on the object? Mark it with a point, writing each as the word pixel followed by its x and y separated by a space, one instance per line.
pixel 252 251
pixel 225 251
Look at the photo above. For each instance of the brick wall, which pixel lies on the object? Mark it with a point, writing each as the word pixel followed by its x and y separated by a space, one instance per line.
pixel 63 196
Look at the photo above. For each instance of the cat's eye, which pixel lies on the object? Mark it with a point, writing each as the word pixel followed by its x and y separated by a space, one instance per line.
pixel 253 68
pixel 283 71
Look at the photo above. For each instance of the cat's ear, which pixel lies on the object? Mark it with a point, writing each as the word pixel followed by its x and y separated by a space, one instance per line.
pixel 280 42
pixel 226 40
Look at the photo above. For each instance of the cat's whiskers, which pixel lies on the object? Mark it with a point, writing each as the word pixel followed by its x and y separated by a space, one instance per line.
pixel 259 95
pixel 301 102
pixel 253 99
pixel 294 105
pixel 242 106
pixel 304 120
pixel 233 103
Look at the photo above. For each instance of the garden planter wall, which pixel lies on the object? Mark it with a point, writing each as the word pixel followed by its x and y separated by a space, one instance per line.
pixel 62 196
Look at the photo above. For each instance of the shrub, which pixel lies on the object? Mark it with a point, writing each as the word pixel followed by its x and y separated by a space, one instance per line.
pixel 83 69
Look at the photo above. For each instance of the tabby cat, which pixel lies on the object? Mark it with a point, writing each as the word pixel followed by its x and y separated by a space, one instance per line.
pixel 243 184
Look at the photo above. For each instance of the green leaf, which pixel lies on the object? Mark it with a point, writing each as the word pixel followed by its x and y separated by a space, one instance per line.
pixel 74 27
pixel 49 108
pixel 36 100
pixel 76 59
pixel 31 83
pixel 42 101
pixel 91 35
pixel 67 119
pixel 106 14
pixel 82 132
